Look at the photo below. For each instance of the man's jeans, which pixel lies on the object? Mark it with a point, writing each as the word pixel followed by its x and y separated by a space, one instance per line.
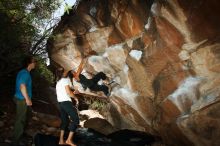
pixel 20 120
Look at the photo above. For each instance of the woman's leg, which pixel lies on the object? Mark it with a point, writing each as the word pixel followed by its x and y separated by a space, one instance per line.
pixel 64 122
pixel 69 139
pixel 74 121
pixel 61 141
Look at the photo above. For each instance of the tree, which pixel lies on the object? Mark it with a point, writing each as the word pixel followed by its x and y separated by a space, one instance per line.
pixel 24 27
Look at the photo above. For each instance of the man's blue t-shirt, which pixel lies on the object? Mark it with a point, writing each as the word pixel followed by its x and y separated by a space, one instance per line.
pixel 23 77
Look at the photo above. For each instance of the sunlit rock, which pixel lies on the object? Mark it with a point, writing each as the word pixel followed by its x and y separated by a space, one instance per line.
pixel 201 127
pixel 136 54
pixel 163 57
pixel 187 94
pixel 100 125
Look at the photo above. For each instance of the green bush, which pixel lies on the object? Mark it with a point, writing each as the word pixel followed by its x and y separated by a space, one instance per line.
pixel 42 71
pixel 97 105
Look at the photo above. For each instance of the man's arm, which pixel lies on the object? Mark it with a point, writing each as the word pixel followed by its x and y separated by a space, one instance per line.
pixel 80 68
pixel 23 89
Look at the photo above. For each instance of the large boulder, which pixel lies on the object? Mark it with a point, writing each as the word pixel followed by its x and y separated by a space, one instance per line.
pixel 163 55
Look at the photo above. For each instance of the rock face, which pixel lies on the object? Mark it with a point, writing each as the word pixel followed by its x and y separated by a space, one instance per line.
pixel 164 57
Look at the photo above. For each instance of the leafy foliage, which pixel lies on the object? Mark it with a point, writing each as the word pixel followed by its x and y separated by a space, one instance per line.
pixel 67 8
pixel 25 26
pixel 96 104
pixel 43 71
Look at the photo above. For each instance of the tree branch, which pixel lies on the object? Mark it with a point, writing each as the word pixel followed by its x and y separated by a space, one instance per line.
pixel 34 48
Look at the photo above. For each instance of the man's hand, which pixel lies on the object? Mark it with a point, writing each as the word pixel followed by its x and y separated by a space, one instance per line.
pixel 23 89
pixel 28 102
pixel 77 101
pixel 76 92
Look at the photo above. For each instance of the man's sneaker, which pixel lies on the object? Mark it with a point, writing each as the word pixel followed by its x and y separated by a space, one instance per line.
pixel 111 82
pixel 108 94
pixel 109 91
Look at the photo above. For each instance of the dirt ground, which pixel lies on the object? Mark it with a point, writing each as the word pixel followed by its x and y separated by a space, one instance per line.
pixel 35 125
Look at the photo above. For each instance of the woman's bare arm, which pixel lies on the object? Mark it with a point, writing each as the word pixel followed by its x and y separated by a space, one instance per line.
pixel 71 93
